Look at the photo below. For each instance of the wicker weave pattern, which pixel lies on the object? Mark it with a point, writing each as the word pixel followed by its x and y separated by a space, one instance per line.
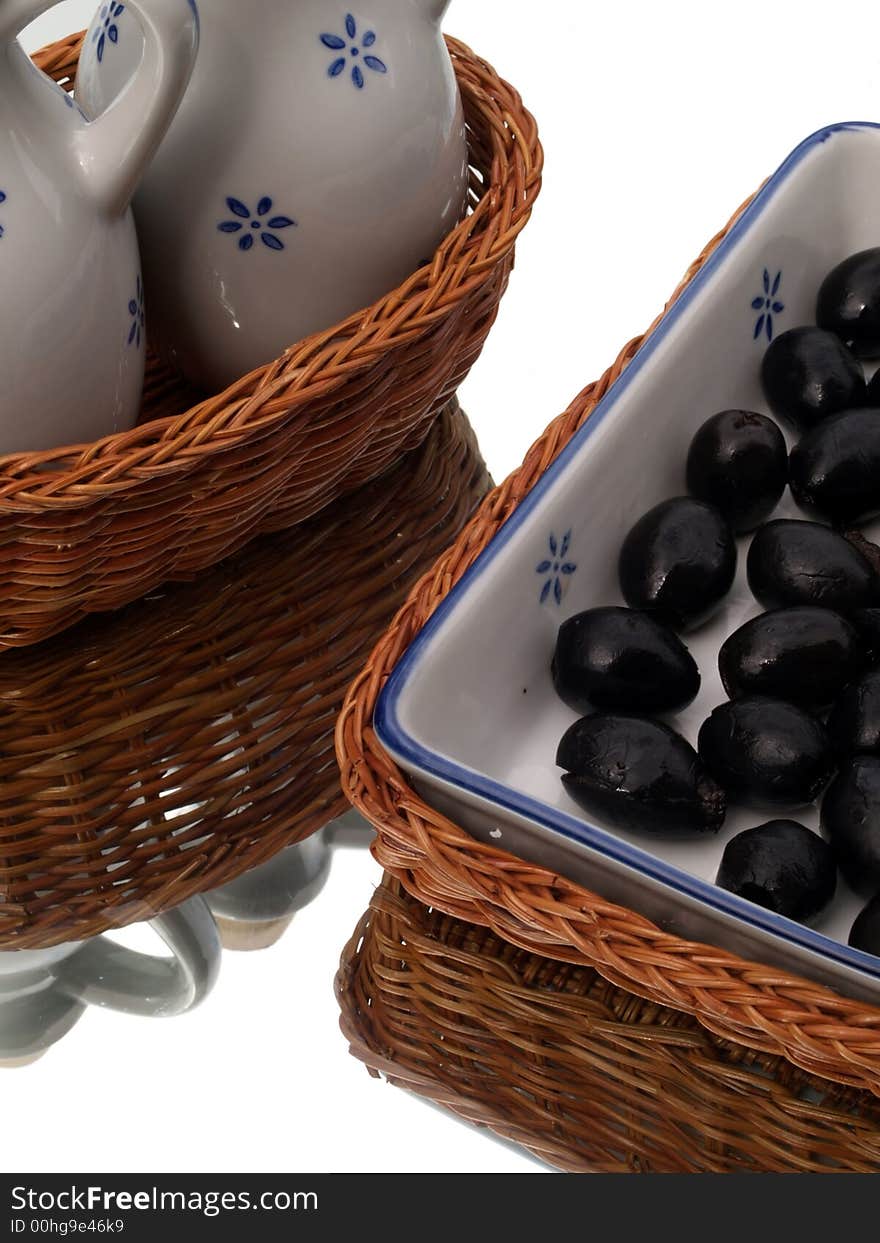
pixel 585 1075
pixel 93 527
pixel 439 863
pixel 160 752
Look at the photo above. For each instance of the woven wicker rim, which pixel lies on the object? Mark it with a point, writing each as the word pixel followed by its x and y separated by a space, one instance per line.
pixel 444 867
pixel 319 364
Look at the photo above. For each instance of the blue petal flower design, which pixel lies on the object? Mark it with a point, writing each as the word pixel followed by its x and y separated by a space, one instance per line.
pixel 263 222
pixel 768 305
pixel 555 569
pixel 137 332
pixel 352 53
pixel 2 201
pixel 107 28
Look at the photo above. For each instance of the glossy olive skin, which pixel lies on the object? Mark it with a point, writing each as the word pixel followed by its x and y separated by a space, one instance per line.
pixel 851 821
pixel 781 866
pixel 793 562
pixel 867 624
pixel 807 374
pixel 766 753
pixel 678 562
pixel 620 660
pixel 803 655
pixel 834 471
pixel 848 303
pixel 639 775
pixel 854 723
pixel 865 932
pixel 738 462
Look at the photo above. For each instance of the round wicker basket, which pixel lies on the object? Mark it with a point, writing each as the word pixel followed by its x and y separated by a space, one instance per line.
pixel 443 866
pixel 91 527
pixel 585 1075
pixel 162 751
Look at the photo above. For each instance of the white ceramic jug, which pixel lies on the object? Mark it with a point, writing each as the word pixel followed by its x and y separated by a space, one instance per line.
pixel 318 158
pixel 71 298
pixel 44 992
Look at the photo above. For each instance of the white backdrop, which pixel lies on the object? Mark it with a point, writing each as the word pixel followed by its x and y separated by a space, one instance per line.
pixel 657 121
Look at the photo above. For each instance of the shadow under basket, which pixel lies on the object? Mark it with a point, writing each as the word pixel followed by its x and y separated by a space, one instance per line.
pixel 585 1075
pixel 163 750
pixel 91 528
pixel 767 1009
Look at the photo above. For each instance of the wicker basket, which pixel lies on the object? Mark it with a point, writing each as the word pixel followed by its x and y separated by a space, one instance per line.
pixel 585 1075
pixel 93 527
pixel 443 866
pixel 160 752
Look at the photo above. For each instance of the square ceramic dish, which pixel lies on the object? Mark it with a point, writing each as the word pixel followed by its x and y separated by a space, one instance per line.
pixel 470 711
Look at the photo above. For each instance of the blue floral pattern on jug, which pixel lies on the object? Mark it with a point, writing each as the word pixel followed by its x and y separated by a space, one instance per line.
pixel 2 201
pixel 555 569
pixel 768 305
pixel 257 223
pixel 138 331
pixel 107 28
pixel 353 54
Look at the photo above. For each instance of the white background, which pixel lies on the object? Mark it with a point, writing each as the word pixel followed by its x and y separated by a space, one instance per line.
pixel 657 120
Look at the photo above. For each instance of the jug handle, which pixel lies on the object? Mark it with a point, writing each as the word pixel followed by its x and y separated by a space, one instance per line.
pixel 114 150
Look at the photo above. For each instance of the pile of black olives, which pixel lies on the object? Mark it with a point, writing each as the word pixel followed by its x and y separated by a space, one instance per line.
pixel 802 721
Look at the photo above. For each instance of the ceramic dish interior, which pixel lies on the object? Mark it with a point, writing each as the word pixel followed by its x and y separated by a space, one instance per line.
pixel 470 711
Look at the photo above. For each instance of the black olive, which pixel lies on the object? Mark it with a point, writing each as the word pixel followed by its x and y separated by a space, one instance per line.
pixel 766 752
pixel 804 655
pixel 679 562
pixel 738 462
pixel 619 660
pixel 854 724
pixel 865 932
pixel 639 775
pixel 867 624
pixel 781 866
pixel 849 302
pixel 851 819
pixel 834 470
pixel 795 562
pixel 872 396
pixel 807 374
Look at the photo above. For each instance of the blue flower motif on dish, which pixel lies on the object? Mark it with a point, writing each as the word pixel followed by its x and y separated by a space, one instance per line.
pixel 137 332
pixel 261 222
pixel 555 569
pixel 2 201
pixel 768 305
pixel 107 28
pixel 353 54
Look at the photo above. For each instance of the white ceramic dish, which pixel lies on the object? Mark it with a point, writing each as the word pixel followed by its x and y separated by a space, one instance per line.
pixel 470 711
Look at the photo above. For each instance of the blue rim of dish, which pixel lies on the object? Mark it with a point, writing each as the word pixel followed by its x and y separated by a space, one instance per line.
pixel 392 735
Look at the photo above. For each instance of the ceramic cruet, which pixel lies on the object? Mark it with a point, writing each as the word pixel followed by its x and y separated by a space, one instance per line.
pixel 71 297
pixel 318 159
pixel 43 992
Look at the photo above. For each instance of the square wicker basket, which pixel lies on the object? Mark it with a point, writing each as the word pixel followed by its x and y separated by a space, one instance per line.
pixel 92 527
pixel 766 1010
